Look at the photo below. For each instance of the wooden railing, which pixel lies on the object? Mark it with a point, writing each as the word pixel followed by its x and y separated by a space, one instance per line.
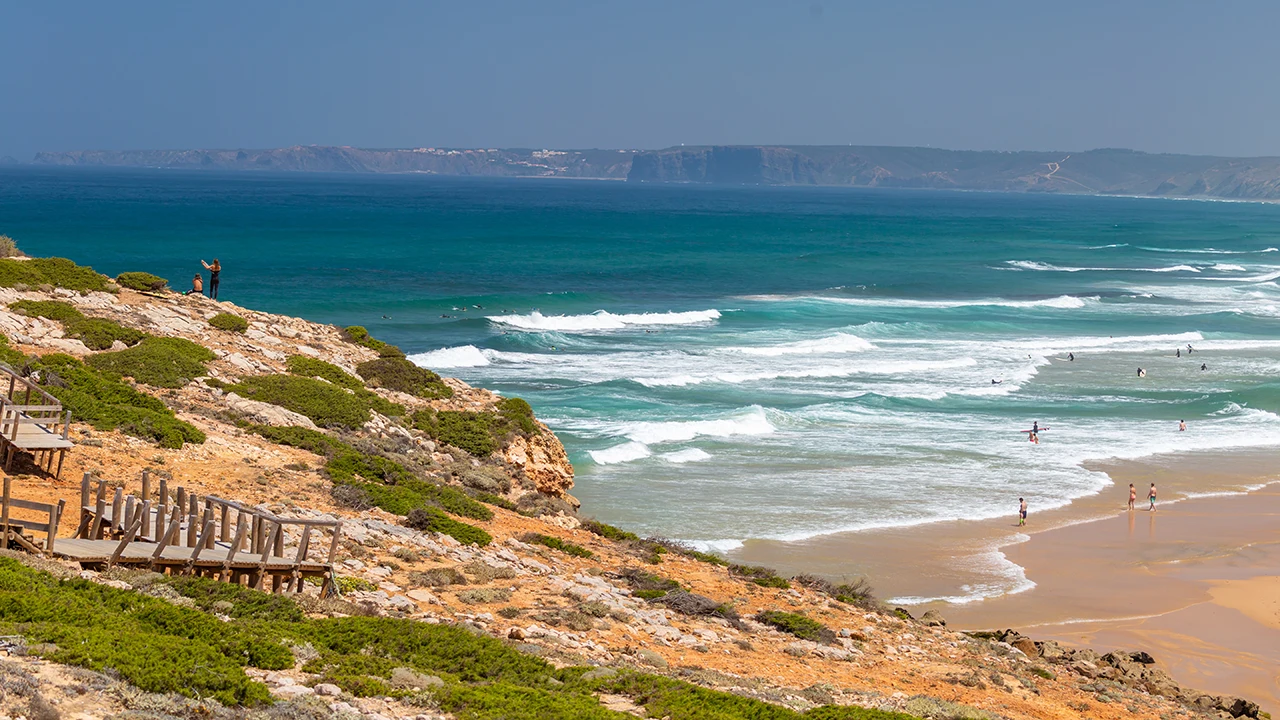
pixel 14 530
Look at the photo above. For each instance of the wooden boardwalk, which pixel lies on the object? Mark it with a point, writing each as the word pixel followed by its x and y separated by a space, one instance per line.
pixel 32 420
pixel 182 533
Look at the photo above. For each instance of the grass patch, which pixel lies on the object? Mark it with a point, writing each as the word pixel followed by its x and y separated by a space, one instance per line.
pixel 107 403
pixel 491 499
pixel 433 520
pixel 304 366
pixel 802 627
pixel 556 543
pixel 484 596
pixel 762 576
pixel 646 585
pixel 158 361
pixel 229 322
pixel 397 373
pixel 141 281
pixel 56 272
pixel 95 333
pixel 327 405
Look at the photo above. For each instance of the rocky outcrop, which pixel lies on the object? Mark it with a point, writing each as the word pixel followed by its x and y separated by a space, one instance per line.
pixel 545 463
pixel 1132 668
pixel 266 413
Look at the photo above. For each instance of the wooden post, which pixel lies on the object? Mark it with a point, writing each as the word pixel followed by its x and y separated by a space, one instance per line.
pixel 4 520
pixel 54 518
pixel 102 490
pixel 225 515
pixel 181 500
pixel 130 507
pixel 145 512
pixel 333 545
pixel 116 501
pixel 146 485
pixel 82 530
pixel 84 490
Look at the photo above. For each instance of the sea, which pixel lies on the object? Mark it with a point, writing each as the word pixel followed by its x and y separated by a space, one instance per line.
pixel 727 364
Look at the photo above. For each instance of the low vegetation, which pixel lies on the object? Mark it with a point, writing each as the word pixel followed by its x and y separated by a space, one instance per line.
pixel 646 585
pixel 95 333
pixel 9 247
pixel 105 402
pixel 762 576
pixel 479 433
pixel 397 373
pixel 858 592
pixel 327 405
pixel 358 335
pixel 608 532
pixel 141 281
pixel 304 366
pixel 229 322
pixel 53 272
pixel 556 543
pixel 433 520
pixel 805 628
pixel 165 362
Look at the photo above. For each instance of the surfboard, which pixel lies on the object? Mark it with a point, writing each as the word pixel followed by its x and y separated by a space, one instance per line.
pixel 1035 431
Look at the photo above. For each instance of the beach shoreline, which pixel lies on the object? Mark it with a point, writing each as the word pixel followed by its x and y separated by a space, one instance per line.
pixel 1194 583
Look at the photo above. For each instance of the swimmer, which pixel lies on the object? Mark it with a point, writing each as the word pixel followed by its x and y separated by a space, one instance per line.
pixel 1182 426
pixel 1142 373
pixel 1204 366
pixel 1033 437
pixel 996 382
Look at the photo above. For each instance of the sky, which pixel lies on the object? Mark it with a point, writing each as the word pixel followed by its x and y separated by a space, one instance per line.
pixel 1190 77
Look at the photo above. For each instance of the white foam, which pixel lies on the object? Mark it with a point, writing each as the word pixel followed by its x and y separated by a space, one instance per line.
pixel 905 367
pixel 1229 267
pixel 620 453
pixel 716 546
pixel 451 357
pixel 602 320
pixel 838 343
pixel 1046 267
pixel 687 456
pixel 1065 302
pixel 752 422
pixel 1205 251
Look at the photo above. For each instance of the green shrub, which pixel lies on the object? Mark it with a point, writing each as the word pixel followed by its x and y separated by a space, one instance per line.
pixel 58 272
pixel 159 361
pixel 432 520
pixel 348 584
pixel 229 322
pixel 491 499
pixel 358 335
pixel 762 576
pixel 106 403
pixel 798 625
pixel 95 333
pixel 486 478
pixel 646 585
pixel 141 281
pixel 470 431
pixel 518 416
pixel 311 367
pixel 14 357
pixel 326 404
pixel 9 247
pixel 500 701
pixel 397 373
pixel 608 531
pixel 151 643
pixel 853 712
pixel 556 543
pixel 305 438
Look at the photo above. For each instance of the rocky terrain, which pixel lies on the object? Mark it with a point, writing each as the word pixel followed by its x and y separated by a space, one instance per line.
pixel 1096 172
pixel 514 577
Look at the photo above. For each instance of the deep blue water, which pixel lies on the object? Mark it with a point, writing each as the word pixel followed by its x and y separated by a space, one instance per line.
pixel 770 362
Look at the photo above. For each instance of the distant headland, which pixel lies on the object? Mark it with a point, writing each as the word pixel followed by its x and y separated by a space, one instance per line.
pixel 1098 172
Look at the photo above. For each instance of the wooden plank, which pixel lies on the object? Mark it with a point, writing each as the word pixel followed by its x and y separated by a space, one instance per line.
pixel 31 505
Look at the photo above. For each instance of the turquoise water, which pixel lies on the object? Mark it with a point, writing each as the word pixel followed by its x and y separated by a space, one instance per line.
pixel 726 364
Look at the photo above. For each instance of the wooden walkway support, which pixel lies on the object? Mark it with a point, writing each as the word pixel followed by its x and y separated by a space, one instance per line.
pixel 32 420
pixel 16 532
pixel 183 533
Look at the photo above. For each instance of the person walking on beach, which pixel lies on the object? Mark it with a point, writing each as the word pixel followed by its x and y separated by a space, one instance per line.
pixel 213 269
pixel 197 285
pixel 1133 496
pixel 1151 497
pixel 1022 512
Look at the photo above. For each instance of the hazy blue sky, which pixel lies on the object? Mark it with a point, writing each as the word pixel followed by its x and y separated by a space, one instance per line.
pixel 1192 77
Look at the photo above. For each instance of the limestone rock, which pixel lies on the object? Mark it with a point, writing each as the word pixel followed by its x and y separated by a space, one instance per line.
pixel 932 618
pixel 544 462
pixel 266 413
pixel 650 657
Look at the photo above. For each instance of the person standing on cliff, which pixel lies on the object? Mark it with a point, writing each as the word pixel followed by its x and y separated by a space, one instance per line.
pixel 213 269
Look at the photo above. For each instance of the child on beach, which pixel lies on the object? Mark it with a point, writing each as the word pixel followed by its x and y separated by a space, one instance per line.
pixel 1133 495
pixel 1022 512
pixel 197 285
pixel 1151 496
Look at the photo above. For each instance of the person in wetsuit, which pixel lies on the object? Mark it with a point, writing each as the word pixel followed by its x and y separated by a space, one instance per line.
pixel 214 270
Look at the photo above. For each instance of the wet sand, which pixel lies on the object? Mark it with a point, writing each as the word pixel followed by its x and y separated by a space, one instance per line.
pixel 1196 583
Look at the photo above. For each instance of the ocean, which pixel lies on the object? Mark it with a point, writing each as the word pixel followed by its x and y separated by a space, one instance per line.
pixel 729 364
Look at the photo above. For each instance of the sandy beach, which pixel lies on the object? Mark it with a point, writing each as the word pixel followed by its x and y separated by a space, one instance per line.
pixel 1196 583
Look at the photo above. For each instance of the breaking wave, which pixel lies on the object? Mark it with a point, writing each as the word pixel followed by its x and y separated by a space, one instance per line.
pixel 602 320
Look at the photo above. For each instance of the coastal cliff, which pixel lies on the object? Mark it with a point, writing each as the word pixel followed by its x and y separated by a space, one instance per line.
pixel 472 586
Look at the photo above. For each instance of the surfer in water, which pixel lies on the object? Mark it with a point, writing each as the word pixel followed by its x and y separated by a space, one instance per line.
pixel 1142 373
pixel 1071 357
pixel 996 382
pixel 1178 352
pixel 1204 366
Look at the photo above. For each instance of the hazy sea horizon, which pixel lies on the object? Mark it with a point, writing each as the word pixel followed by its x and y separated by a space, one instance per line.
pixel 727 364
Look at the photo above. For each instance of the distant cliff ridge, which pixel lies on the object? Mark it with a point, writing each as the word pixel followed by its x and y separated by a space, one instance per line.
pixel 314 158
pixel 1100 172
pixel 1122 172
